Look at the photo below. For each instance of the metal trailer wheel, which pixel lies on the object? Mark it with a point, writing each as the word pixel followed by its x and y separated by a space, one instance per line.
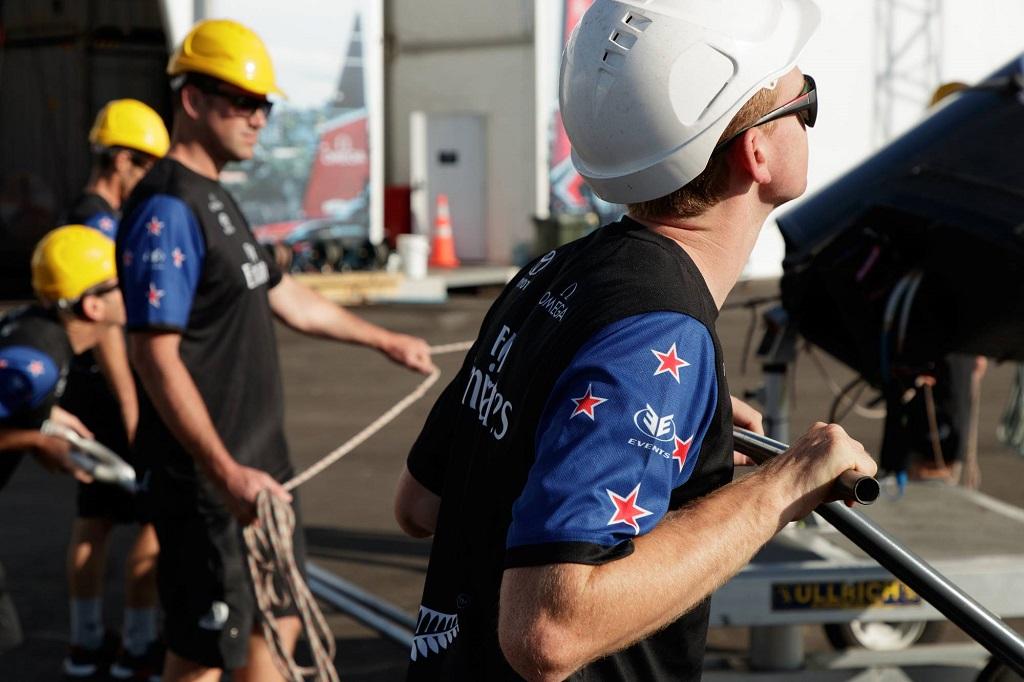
pixel 883 635
pixel 997 672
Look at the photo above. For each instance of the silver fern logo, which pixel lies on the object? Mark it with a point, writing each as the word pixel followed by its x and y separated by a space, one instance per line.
pixel 434 631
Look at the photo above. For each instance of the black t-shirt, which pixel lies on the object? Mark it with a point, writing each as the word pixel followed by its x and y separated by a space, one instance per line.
pixel 89 391
pixel 188 263
pixel 592 403
pixel 94 211
pixel 34 358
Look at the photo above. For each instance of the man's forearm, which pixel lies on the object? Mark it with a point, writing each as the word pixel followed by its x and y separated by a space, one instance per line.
pixel 334 322
pixel 306 311
pixel 113 360
pixel 586 612
pixel 177 400
pixel 18 439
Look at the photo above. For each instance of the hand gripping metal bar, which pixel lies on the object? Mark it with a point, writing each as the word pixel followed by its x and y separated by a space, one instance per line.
pixel 851 485
pixel 982 625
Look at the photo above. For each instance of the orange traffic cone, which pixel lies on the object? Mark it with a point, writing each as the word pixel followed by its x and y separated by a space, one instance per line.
pixel 442 253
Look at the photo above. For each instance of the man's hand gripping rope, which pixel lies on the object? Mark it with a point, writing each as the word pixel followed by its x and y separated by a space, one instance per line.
pixel 276 578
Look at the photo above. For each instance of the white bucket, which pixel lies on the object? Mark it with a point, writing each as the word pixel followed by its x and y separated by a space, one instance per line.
pixel 414 249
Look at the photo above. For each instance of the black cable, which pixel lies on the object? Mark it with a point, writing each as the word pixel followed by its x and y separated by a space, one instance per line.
pixel 839 398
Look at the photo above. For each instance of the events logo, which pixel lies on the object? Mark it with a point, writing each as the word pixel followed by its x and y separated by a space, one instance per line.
pixel 658 428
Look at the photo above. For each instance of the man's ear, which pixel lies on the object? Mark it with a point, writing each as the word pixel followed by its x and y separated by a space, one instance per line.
pixel 92 308
pixel 192 101
pixel 750 152
pixel 122 161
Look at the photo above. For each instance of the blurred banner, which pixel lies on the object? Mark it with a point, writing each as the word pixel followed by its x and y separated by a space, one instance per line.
pixel 317 173
pixel 570 195
pixel 339 179
pixel 566 184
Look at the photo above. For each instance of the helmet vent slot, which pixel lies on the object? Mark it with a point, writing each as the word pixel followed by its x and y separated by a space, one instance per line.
pixel 636 21
pixel 614 59
pixel 624 40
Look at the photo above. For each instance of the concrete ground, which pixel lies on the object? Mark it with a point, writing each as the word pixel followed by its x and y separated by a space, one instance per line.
pixel 332 392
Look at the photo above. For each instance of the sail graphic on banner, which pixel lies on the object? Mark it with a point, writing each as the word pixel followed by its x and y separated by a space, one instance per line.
pixel 339 180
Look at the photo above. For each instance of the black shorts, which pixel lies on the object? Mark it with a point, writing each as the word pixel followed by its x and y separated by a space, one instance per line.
pixel 205 587
pixel 89 398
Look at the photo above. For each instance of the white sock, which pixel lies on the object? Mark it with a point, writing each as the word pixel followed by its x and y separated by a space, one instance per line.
pixel 139 630
pixel 87 623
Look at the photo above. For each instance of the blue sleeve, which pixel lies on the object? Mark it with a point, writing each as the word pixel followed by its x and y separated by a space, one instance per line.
pixel 622 429
pixel 161 257
pixel 27 378
pixel 104 222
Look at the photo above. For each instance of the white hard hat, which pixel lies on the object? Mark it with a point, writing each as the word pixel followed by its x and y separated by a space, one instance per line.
pixel 648 86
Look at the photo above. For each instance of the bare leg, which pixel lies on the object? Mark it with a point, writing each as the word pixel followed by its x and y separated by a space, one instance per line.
pixel 260 667
pixel 140 570
pixel 87 557
pixel 178 669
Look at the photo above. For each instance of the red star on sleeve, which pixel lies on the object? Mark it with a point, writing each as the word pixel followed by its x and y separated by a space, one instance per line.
pixel 154 295
pixel 681 450
pixel 669 362
pixel 586 403
pixel 627 511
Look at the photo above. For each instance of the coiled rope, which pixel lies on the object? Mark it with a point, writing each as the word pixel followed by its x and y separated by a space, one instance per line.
pixel 277 579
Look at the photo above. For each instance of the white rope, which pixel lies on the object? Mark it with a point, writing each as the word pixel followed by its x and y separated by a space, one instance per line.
pixel 379 423
pixel 277 579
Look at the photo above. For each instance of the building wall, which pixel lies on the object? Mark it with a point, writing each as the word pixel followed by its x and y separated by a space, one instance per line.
pixel 61 62
pixel 449 57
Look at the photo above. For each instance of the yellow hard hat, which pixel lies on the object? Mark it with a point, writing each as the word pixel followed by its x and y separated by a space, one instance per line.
pixel 132 124
pixel 229 51
pixel 69 261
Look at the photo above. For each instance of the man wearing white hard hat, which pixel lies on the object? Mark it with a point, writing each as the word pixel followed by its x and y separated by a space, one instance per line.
pixel 576 474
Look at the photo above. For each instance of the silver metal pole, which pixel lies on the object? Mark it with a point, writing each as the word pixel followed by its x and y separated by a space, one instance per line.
pixel 982 625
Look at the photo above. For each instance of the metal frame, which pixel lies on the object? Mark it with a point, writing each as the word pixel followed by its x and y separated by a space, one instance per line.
pixel 908 62
pixel 776 641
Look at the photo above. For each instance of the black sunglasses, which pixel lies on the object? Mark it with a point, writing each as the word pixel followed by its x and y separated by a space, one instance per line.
pixel 77 307
pixel 243 104
pixel 100 290
pixel 805 105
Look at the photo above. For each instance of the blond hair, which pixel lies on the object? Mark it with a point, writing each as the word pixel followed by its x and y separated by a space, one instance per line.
pixel 708 188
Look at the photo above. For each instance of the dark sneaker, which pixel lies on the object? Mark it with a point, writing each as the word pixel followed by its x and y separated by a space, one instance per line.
pixel 144 668
pixel 91 664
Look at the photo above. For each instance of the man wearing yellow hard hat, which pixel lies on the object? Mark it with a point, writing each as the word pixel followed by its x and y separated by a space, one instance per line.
pixel 127 138
pixel 75 281
pixel 201 299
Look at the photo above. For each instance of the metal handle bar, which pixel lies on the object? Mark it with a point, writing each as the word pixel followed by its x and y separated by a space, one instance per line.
pixel 979 623
pixel 851 485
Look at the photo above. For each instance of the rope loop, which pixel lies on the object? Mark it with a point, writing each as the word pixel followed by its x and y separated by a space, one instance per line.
pixel 277 580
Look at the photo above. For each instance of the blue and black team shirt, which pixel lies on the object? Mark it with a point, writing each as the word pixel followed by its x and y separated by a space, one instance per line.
pixel 90 390
pixel 189 264
pixel 34 357
pixel 94 211
pixel 592 404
